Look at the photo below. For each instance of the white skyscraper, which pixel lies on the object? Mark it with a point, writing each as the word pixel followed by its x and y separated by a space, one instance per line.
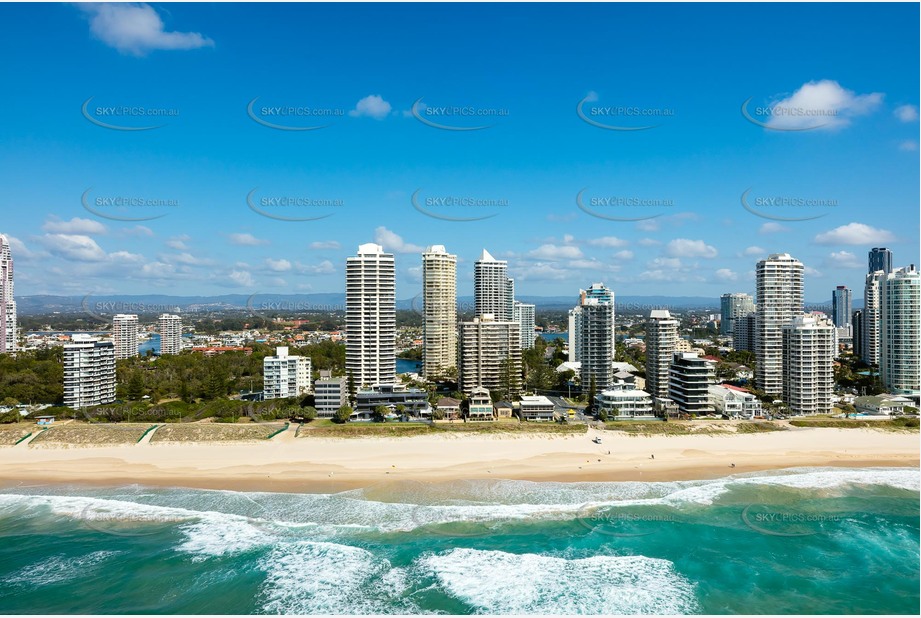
pixel 493 291
pixel 284 375
pixel 125 335
pixel 89 372
pixel 575 324
pixel 779 283
pixel 523 313
pixel 490 355
pixel 661 345
pixel 170 327
pixel 8 331
pixel 370 308
pixel 900 349
pixel 809 349
pixel 872 304
pixel 439 312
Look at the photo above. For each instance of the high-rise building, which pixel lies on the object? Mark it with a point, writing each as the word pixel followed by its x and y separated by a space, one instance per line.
pixel 575 324
pixel 743 332
pixel 284 375
pixel 170 327
pixel 439 312
pixel 125 335
pixel 732 307
pixel 330 394
pixel 595 337
pixel 871 317
pixel 689 380
pixel 8 330
pixel 493 291
pixel 809 349
pixel 661 341
pixel 841 306
pixel 605 295
pixel 89 372
pixel 490 355
pixel 779 283
pixel 879 258
pixel 524 314
pixel 370 315
pixel 857 332
pixel 900 328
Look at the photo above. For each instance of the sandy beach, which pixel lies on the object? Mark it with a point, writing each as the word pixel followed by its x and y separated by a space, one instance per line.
pixel 294 464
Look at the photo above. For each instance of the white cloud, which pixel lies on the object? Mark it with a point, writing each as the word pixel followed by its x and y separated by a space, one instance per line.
pixel 137 29
pixel 592 264
pixel 908 145
pixel 726 275
pixel 75 247
pixel 186 259
pixel 812 272
pixel 624 255
pixel 246 240
pixel 556 252
pixel 373 106
pixel 906 113
pixel 542 271
pixel 854 234
pixel 754 251
pixel 648 242
pixel 178 242
pixel 649 225
pixel 74 226
pixel 323 268
pixel 325 244
pixel 772 228
pixel 685 247
pixel 278 266
pixel 138 230
pixel 843 259
pixel 608 241
pixel 393 242
pixel 19 249
pixel 822 103
pixel 664 262
pixel 241 278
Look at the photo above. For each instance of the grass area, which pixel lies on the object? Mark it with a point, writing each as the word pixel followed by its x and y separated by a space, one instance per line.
pixel 756 427
pixel 11 434
pixel 656 428
pixel 96 434
pixel 215 432
pixel 897 424
pixel 327 429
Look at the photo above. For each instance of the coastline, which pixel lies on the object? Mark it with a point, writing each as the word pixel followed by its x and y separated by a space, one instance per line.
pixel 329 465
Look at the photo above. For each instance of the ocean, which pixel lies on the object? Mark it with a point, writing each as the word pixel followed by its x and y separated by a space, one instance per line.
pixel 809 540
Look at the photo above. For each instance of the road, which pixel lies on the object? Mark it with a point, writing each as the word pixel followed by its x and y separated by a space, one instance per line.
pixel 561 407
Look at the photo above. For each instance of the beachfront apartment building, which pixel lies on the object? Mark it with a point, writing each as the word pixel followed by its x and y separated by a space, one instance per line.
pixel 439 312
pixel 595 338
pixel 524 314
pixel 622 400
pixel 284 375
pixel 8 329
pixel 330 394
pixel 809 349
pixel 370 316
pixel 689 380
pixel 536 408
pixel 170 327
pixel 125 335
pixel 732 307
pixel 479 405
pixel 900 331
pixel 490 355
pixel 661 342
pixel 779 285
pixel 395 397
pixel 870 325
pixel 733 401
pixel 89 372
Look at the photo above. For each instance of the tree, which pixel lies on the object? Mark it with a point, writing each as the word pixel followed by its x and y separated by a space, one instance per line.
pixel 602 415
pixel 380 413
pixel 342 415
pixel 591 392
pixel 135 386
pixel 309 413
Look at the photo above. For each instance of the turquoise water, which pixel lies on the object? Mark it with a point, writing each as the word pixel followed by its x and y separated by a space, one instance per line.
pixel 816 541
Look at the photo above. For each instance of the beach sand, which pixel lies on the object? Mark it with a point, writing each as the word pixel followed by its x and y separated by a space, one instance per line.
pixel 336 464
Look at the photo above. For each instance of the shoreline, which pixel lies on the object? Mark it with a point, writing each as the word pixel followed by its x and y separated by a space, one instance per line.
pixel 330 465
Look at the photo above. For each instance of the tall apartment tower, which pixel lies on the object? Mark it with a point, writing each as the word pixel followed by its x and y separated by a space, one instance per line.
pixel 595 337
pixel 779 283
pixel 284 375
pixel 841 306
pixel 743 332
pixel 493 291
pixel 8 331
pixel 575 324
pixel 439 312
pixel 524 314
pixel 661 344
pixel 857 332
pixel 871 317
pixel 490 355
pixel 879 258
pixel 732 307
pixel 89 372
pixel 689 383
pixel 170 327
pixel 809 349
pixel 125 335
pixel 900 349
pixel 370 315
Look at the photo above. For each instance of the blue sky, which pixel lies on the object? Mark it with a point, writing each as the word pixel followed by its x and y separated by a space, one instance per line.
pixel 853 69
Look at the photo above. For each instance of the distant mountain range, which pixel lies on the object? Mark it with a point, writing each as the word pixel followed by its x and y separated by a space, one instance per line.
pixel 110 304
